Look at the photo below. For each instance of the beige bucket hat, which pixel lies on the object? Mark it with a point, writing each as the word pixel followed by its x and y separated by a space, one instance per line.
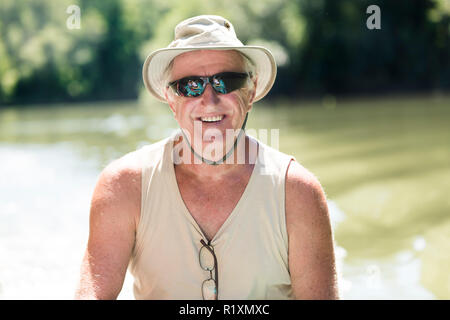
pixel 207 32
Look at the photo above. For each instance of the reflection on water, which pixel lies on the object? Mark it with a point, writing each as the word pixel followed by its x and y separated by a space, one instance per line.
pixel 44 206
pixel 385 168
pixel 394 277
pixel 43 214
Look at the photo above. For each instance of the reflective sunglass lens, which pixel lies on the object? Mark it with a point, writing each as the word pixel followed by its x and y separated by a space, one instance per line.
pixel 209 290
pixel 219 85
pixel 191 87
pixel 206 259
pixel 232 81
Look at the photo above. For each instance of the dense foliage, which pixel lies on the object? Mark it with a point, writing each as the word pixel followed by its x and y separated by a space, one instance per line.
pixel 322 46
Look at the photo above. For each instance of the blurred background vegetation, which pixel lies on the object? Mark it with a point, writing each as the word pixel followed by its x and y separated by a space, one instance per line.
pixel 322 46
pixel 383 158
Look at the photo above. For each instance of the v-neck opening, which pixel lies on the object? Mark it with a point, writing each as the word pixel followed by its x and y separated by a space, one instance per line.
pixel 182 205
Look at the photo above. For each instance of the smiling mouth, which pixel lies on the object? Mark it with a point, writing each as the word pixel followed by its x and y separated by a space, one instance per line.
pixel 213 119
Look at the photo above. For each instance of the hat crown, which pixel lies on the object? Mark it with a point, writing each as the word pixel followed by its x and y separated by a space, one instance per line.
pixel 205 30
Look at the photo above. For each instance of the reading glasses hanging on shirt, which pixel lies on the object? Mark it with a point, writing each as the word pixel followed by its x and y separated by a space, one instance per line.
pixel 208 262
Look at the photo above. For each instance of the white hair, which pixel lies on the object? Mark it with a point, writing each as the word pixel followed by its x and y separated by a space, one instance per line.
pixel 249 67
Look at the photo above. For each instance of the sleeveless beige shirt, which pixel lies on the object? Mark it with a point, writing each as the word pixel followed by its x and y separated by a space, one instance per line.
pixel 251 246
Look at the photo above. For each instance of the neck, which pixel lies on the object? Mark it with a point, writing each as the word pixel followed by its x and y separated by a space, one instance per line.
pixel 227 153
pixel 243 156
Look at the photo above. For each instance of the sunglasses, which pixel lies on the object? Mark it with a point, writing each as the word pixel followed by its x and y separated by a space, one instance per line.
pixel 194 86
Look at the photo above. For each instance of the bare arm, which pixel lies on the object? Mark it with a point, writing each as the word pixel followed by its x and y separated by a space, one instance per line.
pixel 115 208
pixel 311 252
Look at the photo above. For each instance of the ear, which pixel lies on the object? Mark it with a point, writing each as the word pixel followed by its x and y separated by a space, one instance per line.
pixel 252 93
pixel 170 101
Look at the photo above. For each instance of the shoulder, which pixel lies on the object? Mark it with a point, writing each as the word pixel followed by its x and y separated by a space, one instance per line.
pixel 122 176
pixel 301 182
pixel 305 198
pixel 122 173
pixel 118 187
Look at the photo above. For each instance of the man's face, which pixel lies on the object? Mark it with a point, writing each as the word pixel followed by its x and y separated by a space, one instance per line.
pixel 231 107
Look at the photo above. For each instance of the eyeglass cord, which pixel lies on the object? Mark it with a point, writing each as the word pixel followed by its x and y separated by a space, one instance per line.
pixel 226 155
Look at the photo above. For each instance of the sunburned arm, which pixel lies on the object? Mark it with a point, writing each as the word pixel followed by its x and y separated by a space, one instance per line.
pixel 115 208
pixel 311 252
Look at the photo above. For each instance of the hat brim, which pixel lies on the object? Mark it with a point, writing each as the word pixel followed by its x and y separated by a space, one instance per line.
pixel 157 62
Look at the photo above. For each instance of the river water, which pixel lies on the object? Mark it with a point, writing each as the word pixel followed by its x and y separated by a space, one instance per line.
pixel 384 164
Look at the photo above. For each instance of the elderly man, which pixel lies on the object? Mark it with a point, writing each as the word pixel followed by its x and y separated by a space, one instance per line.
pixel 191 216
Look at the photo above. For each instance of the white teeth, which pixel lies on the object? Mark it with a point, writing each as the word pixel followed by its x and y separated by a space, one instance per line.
pixel 212 119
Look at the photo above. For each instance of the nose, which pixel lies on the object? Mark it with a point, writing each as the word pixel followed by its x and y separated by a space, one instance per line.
pixel 209 96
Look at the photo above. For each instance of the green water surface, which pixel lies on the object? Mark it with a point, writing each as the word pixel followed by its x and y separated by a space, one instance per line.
pixel 384 162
